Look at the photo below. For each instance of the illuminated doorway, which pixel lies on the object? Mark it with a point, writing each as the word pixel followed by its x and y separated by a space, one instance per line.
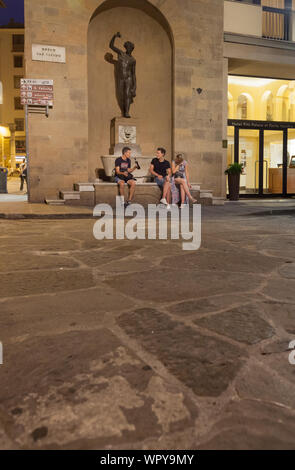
pixel 261 134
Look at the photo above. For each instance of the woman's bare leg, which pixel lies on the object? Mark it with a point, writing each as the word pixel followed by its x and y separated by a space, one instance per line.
pixel 184 187
pixel 182 194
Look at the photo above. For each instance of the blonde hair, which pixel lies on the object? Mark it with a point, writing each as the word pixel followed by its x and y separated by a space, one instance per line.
pixel 179 158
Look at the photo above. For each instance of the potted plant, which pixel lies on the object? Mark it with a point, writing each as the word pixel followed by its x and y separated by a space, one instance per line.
pixel 233 172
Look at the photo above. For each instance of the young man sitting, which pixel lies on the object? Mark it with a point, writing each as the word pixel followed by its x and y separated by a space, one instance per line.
pixel 124 175
pixel 161 170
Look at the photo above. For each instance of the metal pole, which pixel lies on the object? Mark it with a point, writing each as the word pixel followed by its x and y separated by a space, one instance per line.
pixel 27 150
pixel 285 162
pixel 237 145
pixel 261 163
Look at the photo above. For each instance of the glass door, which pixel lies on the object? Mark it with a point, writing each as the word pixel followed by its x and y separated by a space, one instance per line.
pixel 248 157
pixel 272 162
pixel 291 162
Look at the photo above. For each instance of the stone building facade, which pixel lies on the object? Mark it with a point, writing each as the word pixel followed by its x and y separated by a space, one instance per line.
pixel 179 103
pixel 12 117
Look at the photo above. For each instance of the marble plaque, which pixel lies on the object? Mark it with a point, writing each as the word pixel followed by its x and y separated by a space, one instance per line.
pixel 127 134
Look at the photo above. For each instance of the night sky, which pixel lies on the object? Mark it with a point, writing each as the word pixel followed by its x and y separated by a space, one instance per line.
pixel 15 10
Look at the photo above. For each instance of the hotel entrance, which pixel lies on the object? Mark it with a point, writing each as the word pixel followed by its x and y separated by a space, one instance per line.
pixel 261 135
pixel 263 148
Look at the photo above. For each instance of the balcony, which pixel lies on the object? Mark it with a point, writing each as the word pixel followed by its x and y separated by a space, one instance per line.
pixel 270 19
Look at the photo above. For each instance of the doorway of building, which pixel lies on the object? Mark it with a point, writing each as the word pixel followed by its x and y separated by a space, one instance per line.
pixel 265 151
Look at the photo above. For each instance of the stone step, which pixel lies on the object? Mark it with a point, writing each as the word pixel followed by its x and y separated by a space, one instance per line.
pixel 196 187
pixel 218 201
pixel 84 187
pixel 70 195
pixel 55 202
pixel 204 193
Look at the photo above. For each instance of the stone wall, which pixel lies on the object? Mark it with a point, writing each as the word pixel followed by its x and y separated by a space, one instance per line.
pixel 59 147
pixel 152 106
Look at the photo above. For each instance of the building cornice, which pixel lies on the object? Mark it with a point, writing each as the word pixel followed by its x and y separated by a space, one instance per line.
pixel 257 41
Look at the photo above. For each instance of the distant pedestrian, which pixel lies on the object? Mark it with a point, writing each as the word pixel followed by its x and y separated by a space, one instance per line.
pixel 23 174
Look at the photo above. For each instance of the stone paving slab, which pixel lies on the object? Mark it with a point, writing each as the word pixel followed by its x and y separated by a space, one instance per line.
pixel 81 389
pixel 140 345
pixel 205 364
pixel 252 425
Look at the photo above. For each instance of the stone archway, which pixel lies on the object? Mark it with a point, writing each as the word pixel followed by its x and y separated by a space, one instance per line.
pixel 147 28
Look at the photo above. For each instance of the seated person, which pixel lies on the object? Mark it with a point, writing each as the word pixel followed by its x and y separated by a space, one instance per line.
pixel 161 170
pixel 124 175
pixel 180 182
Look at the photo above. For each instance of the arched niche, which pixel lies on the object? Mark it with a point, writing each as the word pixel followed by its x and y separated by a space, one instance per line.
pixel 282 105
pixel 267 106
pixel 142 24
pixel 245 106
pixel 230 106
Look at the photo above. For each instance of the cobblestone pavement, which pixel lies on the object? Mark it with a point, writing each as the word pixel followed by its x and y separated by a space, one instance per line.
pixel 140 345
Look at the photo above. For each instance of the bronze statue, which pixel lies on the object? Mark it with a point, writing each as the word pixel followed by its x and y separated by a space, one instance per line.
pixel 126 77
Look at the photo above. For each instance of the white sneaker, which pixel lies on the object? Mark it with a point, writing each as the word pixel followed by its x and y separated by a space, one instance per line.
pixel 182 206
pixel 168 207
pixel 164 201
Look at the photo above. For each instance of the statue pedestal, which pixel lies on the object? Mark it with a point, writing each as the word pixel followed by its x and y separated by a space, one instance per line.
pixel 125 132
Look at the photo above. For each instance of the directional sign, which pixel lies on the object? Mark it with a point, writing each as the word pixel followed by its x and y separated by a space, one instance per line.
pixel 36 92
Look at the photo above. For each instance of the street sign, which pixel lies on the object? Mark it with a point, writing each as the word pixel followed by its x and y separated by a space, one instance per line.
pixel 47 53
pixel 35 92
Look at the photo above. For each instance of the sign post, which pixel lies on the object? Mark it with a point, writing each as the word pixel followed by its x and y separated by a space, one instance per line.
pixel 36 97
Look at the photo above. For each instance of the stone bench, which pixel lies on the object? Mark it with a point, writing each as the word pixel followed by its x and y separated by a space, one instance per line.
pixel 89 194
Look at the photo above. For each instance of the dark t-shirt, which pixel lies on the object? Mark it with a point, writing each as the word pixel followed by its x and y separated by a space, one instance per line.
pixel 161 167
pixel 123 164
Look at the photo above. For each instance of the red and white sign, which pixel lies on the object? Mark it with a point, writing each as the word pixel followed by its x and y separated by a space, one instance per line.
pixel 36 92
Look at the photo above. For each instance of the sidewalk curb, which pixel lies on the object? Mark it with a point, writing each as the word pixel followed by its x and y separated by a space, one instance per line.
pixel 45 216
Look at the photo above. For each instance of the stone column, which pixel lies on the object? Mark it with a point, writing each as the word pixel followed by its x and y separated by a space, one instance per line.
pixel 224 127
pixel 12 145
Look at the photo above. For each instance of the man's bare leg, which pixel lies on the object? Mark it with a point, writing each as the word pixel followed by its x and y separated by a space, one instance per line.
pixel 131 185
pixel 166 191
pixel 121 188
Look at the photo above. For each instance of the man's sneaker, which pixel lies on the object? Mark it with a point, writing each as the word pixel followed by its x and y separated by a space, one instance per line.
pixel 127 203
pixel 168 207
pixel 164 201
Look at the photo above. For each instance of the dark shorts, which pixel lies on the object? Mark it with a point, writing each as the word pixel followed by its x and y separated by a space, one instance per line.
pixel 125 180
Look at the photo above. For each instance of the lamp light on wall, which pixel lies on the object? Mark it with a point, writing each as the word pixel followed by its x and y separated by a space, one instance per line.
pixel 4 131
pixel 198 90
